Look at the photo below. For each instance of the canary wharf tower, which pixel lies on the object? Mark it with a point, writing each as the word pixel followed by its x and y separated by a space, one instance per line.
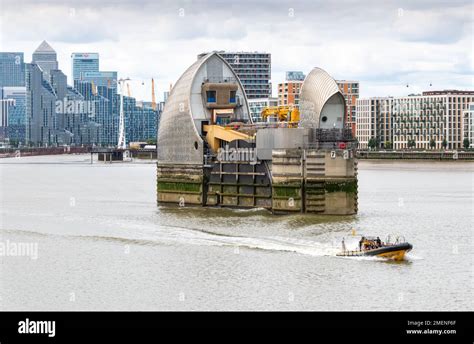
pixel 46 58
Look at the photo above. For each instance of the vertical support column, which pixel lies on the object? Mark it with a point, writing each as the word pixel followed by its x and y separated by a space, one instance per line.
pixel 303 191
pixel 254 189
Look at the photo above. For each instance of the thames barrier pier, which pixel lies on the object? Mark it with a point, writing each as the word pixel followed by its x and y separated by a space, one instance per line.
pixel 211 153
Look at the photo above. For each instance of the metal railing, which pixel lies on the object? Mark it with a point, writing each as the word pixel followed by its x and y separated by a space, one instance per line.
pixel 332 135
pixel 219 79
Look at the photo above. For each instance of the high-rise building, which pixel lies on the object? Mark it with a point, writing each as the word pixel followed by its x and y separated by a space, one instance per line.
pixel 468 129
pixel 289 93
pixel 79 125
pixel 5 104
pixel 106 79
pixel 427 120
pixel 101 88
pixel 106 116
pixel 257 105
pixel 350 90
pixel 14 113
pixel 45 58
pixel 84 63
pixel 12 96
pixel 253 69
pixel 374 122
pixel 40 107
pixel 295 76
pixel 12 69
pixel 140 121
pixel 57 114
pixel 58 81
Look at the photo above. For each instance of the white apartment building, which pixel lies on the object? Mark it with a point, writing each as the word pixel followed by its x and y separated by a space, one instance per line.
pixel 373 120
pixel 468 129
pixel 426 119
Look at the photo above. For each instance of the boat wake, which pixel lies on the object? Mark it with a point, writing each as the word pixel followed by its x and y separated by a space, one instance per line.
pixel 174 235
pixel 274 243
pixel 411 256
pixel 169 235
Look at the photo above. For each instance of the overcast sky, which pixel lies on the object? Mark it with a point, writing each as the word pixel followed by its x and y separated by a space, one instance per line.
pixel 383 44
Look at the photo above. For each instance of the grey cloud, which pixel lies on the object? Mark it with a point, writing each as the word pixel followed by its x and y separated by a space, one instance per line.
pixel 60 24
pixel 364 40
pixel 442 27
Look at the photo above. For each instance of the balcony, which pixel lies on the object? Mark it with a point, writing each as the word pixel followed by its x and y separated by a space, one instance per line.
pixel 220 95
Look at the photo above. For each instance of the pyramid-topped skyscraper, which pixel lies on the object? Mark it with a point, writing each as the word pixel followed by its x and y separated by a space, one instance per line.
pixel 45 57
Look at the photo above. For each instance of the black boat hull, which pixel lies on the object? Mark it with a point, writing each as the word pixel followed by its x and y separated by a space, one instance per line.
pixel 394 252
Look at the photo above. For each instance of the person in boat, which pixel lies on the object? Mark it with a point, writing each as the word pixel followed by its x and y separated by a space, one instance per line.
pixel 379 242
pixel 361 242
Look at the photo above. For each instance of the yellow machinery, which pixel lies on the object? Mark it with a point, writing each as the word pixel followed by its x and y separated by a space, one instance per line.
pixel 216 133
pixel 289 114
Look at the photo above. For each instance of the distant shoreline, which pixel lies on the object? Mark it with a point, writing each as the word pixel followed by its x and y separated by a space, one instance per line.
pixel 361 155
pixel 406 155
pixel 23 152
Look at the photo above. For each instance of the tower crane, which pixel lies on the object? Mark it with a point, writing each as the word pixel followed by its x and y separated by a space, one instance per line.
pixel 153 99
pixel 121 139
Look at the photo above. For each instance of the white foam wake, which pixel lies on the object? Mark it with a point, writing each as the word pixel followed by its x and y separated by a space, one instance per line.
pixel 302 246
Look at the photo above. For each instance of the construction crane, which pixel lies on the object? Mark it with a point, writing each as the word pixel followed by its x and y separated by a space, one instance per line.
pixel 128 90
pixel 122 141
pixel 289 114
pixel 153 99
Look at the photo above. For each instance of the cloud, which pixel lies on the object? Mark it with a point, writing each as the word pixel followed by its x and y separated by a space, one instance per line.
pixel 61 24
pixel 364 40
pixel 445 27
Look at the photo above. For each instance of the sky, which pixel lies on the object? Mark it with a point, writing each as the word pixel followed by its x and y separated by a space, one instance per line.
pixel 385 45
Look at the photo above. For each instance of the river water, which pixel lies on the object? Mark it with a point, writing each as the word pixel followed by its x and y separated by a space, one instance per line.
pixel 98 241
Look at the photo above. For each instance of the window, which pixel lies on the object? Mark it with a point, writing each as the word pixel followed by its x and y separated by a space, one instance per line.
pixel 211 96
pixel 223 119
pixel 232 96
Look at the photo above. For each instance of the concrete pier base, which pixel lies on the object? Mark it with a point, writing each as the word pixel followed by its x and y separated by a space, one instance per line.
pixel 314 181
pixel 296 180
pixel 180 184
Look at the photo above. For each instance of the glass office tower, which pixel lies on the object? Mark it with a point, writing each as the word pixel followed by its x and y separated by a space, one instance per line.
pixel 12 69
pixel 84 63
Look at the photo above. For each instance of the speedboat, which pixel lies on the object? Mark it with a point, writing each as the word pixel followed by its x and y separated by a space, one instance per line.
pixel 371 246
